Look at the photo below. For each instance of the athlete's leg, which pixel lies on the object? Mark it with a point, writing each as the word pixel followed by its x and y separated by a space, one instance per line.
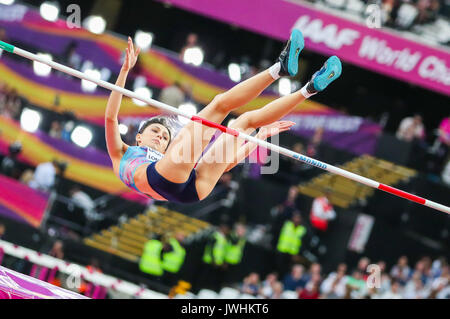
pixel 224 151
pixel 187 147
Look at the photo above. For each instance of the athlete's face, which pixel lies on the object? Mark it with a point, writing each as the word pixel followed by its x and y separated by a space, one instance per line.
pixel 155 136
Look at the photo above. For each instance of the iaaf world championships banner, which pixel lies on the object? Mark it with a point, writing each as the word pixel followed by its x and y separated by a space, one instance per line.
pixel 374 49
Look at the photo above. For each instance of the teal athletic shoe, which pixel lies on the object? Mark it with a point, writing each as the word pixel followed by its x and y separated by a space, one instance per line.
pixel 329 72
pixel 290 54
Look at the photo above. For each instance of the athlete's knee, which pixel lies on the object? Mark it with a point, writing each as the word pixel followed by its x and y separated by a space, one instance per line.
pixel 221 103
pixel 244 121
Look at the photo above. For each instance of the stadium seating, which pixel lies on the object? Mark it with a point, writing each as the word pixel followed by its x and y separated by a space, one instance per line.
pixel 127 240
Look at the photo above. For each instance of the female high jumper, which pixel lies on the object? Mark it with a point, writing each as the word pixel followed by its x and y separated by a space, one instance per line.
pixel 174 168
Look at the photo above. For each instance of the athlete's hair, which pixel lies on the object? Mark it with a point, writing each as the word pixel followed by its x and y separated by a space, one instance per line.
pixel 169 122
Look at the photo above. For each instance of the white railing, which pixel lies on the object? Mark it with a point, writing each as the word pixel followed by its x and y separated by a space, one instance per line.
pixel 77 271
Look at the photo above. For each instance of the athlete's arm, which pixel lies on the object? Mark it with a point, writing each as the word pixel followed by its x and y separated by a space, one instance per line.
pixel 116 147
pixel 264 133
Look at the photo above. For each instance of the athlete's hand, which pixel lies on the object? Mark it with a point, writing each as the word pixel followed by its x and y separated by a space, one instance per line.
pixel 274 129
pixel 131 57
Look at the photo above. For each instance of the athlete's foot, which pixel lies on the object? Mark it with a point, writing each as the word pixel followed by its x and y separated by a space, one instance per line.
pixel 329 72
pixel 290 54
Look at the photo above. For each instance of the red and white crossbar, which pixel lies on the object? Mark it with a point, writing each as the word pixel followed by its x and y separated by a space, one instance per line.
pixel 272 147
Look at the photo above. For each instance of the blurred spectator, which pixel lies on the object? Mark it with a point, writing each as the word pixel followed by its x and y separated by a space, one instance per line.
pixel 3 38
pixel 290 202
pixel 414 288
pixel 313 147
pixel 438 267
pixel 444 131
pixel 235 245
pixel 84 201
pixel 214 258
pixel 322 211
pixel 55 130
pixel 311 290
pixel 282 212
pixel 395 291
pixel 440 287
pixel 174 255
pixel 422 270
pixel 173 95
pixel 67 130
pixel 8 165
pixel 251 284
pixel 94 266
pixel 70 56
pixel 57 250
pixel 363 263
pixel 401 270
pixel 191 42
pixel 411 128
pixel 294 280
pixel 266 289
pixel 3 91
pixel 385 279
pixel 227 193
pixel 45 175
pixel 26 177
pixel 355 286
pixel 290 241
pixel 277 290
pixel 12 104
pixel 427 11
pixel 446 173
pixel 441 147
pixel 333 287
pixel 151 261
pixel 315 271
pixel 389 11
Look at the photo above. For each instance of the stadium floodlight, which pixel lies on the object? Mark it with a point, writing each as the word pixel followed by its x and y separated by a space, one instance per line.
pixel 30 120
pixel 105 74
pixel 95 24
pixel 6 2
pixel 284 86
pixel 143 39
pixel 81 136
pixel 193 56
pixel 139 81
pixel 49 11
pixel 88 86
pixel 142 92
pixel 188 108
pixel 123 129
pixel 234 72
pixel 42 69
